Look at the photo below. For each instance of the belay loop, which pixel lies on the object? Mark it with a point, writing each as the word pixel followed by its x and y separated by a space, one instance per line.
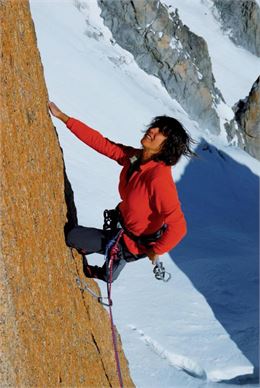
pixel 160 273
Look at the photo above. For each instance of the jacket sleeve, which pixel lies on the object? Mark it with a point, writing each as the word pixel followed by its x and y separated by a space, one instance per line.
pixel 167 203
pixel 98 142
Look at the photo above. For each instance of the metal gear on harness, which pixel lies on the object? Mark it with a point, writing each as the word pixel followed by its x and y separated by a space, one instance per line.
pixel 160 273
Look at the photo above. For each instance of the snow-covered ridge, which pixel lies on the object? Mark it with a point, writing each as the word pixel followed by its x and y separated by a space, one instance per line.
pixel 187 365
pixel 161 45
pixel 234 69
pixel 164 47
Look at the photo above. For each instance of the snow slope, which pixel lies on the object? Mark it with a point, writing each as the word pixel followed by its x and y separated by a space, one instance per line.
pixel 201 328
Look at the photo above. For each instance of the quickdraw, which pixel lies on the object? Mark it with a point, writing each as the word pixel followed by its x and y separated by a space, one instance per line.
pixel 160 273
pixel 83 286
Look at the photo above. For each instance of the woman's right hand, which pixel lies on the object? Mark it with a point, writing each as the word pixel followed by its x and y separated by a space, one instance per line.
pixel 152 255
pixel 56 112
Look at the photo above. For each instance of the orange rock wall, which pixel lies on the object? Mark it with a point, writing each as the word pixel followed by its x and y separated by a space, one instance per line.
pixel 52 334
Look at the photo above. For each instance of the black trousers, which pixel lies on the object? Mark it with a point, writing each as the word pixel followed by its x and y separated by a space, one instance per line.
pixel 92 240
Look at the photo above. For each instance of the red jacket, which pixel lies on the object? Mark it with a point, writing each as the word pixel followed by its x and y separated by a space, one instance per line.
pixel 149 197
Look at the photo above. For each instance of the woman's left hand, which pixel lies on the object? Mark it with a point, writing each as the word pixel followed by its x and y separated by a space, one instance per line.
pixel 56 112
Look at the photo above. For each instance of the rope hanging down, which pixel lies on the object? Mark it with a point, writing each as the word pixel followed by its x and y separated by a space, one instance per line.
pixel 111 255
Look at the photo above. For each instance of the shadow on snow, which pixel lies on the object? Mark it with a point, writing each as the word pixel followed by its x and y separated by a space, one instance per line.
pixel 220 253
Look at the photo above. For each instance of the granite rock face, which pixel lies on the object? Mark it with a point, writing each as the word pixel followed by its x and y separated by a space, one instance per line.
pixel 241 20
pixel 247 117
pixel 164 47
pixel 52 334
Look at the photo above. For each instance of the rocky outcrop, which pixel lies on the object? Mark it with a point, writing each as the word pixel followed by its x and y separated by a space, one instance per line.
pixel 52 334
pixel 241 20
pixel 247 119
pixel 166 48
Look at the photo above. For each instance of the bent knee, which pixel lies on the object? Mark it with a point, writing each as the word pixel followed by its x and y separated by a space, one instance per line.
pixel 72 237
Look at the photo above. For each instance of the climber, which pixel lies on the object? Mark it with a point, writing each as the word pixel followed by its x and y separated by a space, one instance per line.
pixel 149 212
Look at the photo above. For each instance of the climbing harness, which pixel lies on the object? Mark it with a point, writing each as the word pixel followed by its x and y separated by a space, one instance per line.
pixel 144 240
pixel 160 273
pixel 114 220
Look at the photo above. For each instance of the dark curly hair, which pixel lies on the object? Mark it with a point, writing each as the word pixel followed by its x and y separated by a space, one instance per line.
pixel 178 141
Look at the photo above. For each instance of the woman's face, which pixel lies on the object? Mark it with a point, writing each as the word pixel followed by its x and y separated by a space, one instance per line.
pixel 153 140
